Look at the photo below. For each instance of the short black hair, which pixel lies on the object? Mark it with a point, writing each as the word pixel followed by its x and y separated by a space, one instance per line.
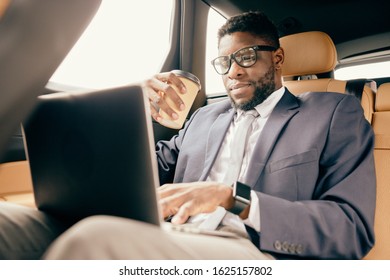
pixel 256 23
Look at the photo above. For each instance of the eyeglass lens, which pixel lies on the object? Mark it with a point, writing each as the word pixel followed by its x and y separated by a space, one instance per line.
pixel 245 57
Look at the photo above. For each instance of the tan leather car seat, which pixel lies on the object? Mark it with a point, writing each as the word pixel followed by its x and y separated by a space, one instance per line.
pixel 15 180
pixel 15 183
pixel 310 59
pixel 381 126
pixel 3 6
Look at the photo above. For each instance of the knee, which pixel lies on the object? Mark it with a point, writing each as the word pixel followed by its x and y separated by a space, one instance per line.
pixel 104 237
pixel 92 225
pixel 76 242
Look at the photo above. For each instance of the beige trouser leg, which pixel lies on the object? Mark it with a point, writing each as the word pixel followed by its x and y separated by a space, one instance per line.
pixel 104 237
pixel 26 233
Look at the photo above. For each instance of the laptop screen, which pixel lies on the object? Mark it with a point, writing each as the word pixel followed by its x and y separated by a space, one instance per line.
pixel 93 153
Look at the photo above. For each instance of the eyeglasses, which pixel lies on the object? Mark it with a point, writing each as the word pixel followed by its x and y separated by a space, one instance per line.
pixel 245 57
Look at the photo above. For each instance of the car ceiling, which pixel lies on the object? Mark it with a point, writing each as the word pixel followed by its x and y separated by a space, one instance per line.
pixel 343 20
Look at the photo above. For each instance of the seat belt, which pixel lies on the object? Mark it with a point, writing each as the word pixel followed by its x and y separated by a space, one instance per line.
pixel 355 87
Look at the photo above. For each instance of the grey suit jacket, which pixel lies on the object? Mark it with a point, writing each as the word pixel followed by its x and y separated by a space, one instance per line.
pixel 312 169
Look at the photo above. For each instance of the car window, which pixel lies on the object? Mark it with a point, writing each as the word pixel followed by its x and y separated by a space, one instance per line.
pixel 213 82
pixel 123 44
pixel 370 71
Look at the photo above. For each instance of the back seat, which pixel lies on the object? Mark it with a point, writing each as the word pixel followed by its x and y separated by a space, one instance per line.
pixel 381 126
pixel 15 183
pixel 310 60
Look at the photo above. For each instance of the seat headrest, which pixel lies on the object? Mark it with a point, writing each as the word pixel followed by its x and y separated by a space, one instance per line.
pixel 3 6
pixel 382 100
pixel 308 53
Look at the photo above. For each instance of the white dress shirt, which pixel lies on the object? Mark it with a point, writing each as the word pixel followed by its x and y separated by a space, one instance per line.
pixel 220 165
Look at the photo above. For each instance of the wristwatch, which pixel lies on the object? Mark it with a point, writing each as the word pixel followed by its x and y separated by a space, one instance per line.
pixel 242 197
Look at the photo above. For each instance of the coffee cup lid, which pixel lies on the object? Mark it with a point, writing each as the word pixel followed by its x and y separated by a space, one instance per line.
pixel 188 75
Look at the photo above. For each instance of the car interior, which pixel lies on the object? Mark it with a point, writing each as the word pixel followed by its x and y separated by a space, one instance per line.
pixel 319 38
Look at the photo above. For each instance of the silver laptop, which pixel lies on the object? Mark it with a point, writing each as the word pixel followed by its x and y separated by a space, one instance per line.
pixel 93 153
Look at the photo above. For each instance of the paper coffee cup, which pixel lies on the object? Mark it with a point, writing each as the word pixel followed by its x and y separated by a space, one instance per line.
pixel 193 86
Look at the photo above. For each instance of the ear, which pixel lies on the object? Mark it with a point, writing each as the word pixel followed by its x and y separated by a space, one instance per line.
pixel 278 58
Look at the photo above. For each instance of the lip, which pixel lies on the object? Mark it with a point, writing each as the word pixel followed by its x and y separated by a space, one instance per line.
pixel 241 90
pixel 238 86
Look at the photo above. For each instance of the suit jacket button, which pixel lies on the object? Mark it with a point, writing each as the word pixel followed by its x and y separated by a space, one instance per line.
pixel 285 246
pixel 292 248
pixel 278 245
pixel 299 249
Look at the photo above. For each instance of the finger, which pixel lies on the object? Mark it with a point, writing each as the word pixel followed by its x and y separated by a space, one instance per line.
pixel 175 83
pixel 171 203
pixel 183 214
pixel 170 93
pixel 155 115
pixel 172 79
pixel 173 86
pixel 158 92
pixel 159 103
pixel 167 207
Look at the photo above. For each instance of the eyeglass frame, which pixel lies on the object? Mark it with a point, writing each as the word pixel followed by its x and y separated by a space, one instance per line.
pixel 232 56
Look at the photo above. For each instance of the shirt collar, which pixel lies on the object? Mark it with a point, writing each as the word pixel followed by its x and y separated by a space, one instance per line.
pixel 265 108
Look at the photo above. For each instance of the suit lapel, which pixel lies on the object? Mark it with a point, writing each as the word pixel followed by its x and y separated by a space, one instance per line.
pixel 286 108
pixel 215 138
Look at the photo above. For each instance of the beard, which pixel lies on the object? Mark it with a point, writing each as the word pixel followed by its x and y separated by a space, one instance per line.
pixel 263 88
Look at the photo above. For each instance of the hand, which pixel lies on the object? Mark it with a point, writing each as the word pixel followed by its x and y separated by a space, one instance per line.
pixel 187 199
pixel 160 86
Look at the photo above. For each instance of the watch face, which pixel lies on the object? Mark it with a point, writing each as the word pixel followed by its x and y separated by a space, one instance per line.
pixel 243 190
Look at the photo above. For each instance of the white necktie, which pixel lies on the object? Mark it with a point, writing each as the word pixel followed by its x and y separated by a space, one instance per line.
pixel 237 147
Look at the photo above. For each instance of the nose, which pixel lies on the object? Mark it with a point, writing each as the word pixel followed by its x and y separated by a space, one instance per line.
pixel 235 70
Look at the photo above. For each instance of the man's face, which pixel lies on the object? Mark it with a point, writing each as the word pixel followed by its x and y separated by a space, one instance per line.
pixel 248 87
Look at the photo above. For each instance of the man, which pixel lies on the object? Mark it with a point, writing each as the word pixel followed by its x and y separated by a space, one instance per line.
pixel 308 162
